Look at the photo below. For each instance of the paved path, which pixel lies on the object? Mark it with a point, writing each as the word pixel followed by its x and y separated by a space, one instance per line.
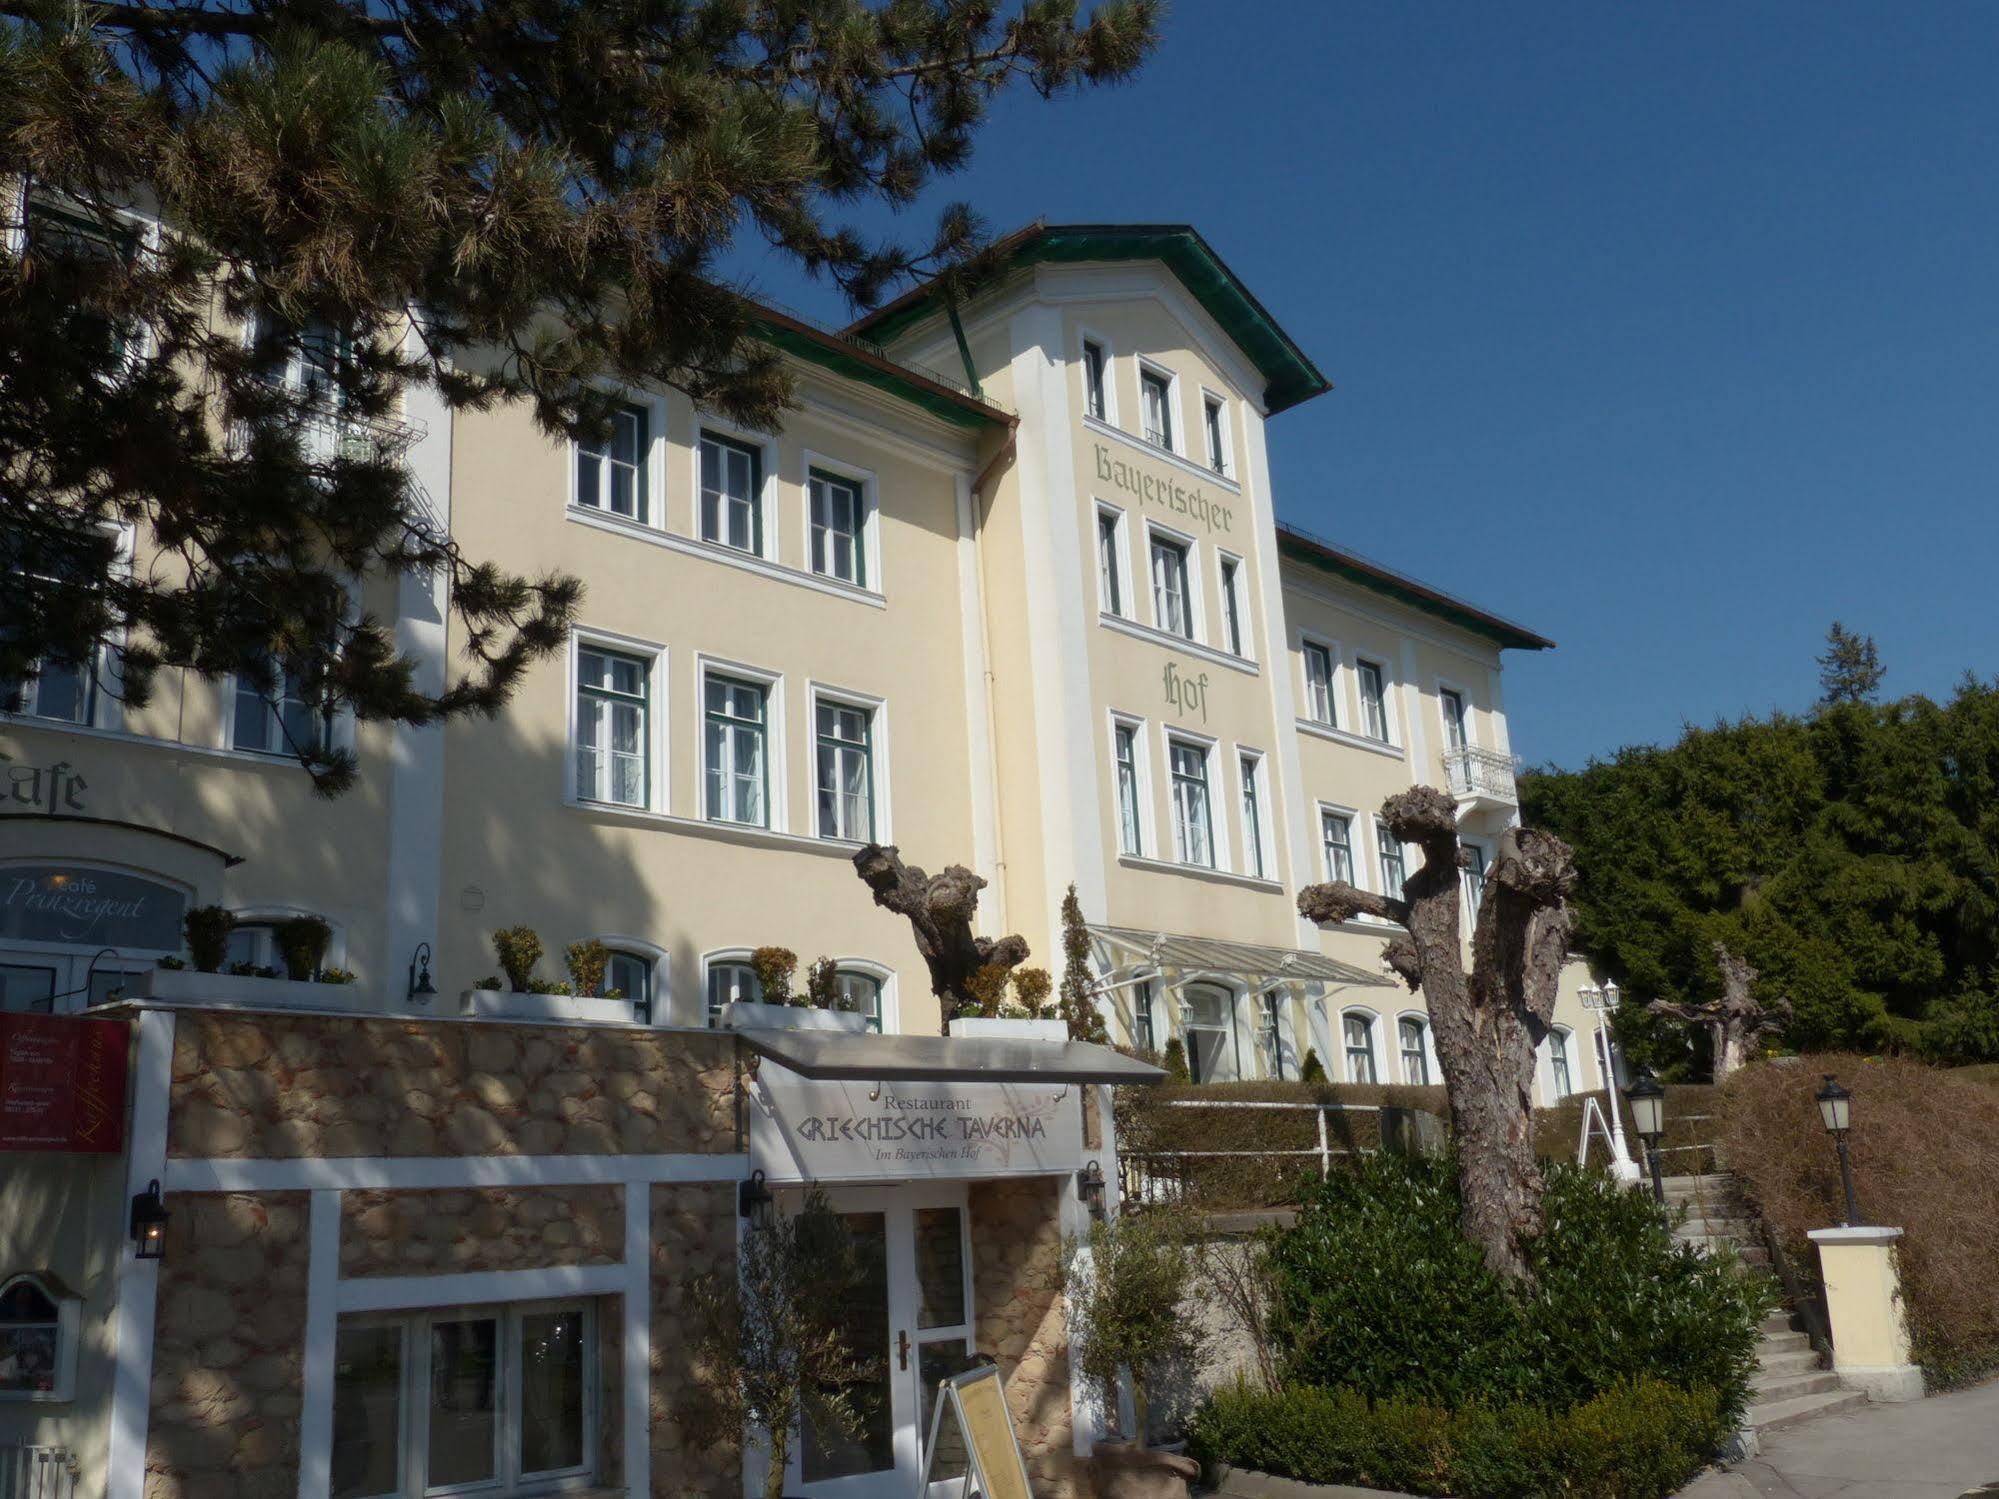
pixel 1940 1448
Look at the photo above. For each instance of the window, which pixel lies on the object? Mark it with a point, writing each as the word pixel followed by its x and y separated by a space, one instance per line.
pixel 1336 829
pixel 307 358
pixel 839 519
pixel 68 234
pixel 1558 1064
pixel 38 1336
pixel 66 691
pixel 253 948
pixel 1373 701
pixel 1415 1057
pixel 1358 1032
pixel 1455 727
pixel 731 494
pixel 1232 605
pixel 1473 875
pixel 731 982
pixel 1143 1037
pixel 282 722
pixel 629 976
pixel 1110 562
pixel 611 470
pixel 1394 870
pixel 1094 375
pixel 861 993
pixel 1252 819
pixel 498 1397
pixel 611 751
pixel 1156 395
pixel 845 749
pixel 1272 1028
pixel 1215 419
pixel 1172 609
pixel 1124 739
pixel 1193 837
pixel 1319 684
pixel 738 778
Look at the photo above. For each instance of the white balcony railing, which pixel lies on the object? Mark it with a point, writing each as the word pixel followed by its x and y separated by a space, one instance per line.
pixel 1480 775
pixel 28 1472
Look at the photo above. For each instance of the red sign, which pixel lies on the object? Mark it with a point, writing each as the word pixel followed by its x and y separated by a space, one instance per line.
pixel 62 1083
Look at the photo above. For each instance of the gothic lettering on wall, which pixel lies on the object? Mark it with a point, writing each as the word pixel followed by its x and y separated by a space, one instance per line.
pixel 1188 694
pixel 1164 490
pixel 41 788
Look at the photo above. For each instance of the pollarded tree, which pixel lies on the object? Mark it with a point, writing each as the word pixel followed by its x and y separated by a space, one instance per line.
pixel 1486 1023
pixel 1737 1021
pixel 497 200
pixel 966 971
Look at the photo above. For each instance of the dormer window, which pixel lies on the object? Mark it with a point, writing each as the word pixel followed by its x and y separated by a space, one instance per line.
pixel 38 1331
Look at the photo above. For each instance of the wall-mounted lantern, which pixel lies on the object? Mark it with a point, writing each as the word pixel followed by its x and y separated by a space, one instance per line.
pixel 149 1223
pixel 753 1200
pixel 421 990
pixel 1090 1187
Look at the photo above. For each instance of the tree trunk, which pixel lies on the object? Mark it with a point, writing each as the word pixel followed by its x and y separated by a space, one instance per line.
pixel 1486 1024
pixel 939 909
pixel 1737 1021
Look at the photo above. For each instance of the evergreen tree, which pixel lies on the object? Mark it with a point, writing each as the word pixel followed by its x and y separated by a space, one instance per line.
pixel 360 197
pixel 1079 979
pixel 1850 671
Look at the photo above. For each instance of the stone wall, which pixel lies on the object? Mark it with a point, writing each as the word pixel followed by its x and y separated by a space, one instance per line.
pixel 693 1234
pixel 1017 1306
pixel 227 1347
pixel 266 1086
pixel 524 1228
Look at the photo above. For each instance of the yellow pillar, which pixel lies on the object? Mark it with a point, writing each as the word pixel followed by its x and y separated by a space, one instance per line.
pixel 1863 1293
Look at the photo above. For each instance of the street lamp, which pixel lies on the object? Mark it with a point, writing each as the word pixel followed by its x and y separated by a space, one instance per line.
pixel 1836 1111
pixel 1648 1116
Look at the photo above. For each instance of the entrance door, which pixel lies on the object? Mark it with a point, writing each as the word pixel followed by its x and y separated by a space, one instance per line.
pixel 910 1323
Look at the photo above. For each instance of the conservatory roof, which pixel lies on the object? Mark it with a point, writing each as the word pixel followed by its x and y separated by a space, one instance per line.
pixel 1243 959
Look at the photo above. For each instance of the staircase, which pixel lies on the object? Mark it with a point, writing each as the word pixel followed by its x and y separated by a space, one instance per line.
pixel 1790 1384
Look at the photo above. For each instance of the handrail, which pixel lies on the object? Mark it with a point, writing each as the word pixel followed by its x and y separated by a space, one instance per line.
pixel 1810 1304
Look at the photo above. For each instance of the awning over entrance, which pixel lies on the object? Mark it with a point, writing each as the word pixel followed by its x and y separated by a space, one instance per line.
pixel 834 1056
pixel 1253 960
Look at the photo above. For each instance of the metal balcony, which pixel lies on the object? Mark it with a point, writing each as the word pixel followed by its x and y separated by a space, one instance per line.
pixel 1480 776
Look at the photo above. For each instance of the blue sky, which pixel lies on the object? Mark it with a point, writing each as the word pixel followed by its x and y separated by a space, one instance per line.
pixel 1669 331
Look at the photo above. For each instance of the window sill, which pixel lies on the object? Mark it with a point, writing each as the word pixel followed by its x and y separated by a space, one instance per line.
pixel 150 741
pixel 1353 741
pixel 1131 627
pixel 1201 872
pixel 1165 455
pixel 748 561
pixel 726 832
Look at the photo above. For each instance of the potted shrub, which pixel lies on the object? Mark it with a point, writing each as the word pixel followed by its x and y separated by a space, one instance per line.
pixel 303 941
pixel 774 967
pixel 1124 1286
pixel 208 929
pixel 780 1007
pixel 588 962
pixel 1013 1003
pixel 518 949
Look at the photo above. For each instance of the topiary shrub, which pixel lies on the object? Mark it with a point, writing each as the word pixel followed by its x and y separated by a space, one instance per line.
pixel 587 962
pixel 1314 1070
pixel 1175 1062
pixel 1615 1298
pixel 208 929
pixel 518 949
pixel 822 986
pixel 302 941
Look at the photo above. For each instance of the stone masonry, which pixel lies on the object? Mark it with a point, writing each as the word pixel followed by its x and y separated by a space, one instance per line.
pixel 1018 1319
pixel 693 1235
pixel 525 1228
pixel 227 1346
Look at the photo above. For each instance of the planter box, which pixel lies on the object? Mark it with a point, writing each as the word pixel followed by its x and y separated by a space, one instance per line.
pixel 740 1016
pixel 507 1004
pixel 1012 1030
pixel 242 991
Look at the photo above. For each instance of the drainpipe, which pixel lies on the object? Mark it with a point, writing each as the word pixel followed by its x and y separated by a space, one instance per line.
pixel 979 490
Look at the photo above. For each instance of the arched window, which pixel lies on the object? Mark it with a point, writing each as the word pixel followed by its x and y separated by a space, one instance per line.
pixel 730 980
pixel 1558 1065
pixel 630 974
pixel 38 1326
pixel 1411 1031
pixel 861 992
pixel 1209 1014
pixel 1357 1032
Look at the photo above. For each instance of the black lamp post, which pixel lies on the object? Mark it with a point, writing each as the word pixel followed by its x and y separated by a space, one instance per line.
pixel 1648 1116
pixel 1836 1111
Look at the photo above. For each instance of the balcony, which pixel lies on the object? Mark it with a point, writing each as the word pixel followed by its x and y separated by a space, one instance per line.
pixel 1481 777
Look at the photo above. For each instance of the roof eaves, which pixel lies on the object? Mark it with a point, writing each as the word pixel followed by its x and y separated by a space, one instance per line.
pixel 1354 568
pixel 841 355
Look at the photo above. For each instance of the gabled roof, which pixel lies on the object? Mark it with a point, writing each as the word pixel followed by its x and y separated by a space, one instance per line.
pixel 1289 377
pixel 1297 546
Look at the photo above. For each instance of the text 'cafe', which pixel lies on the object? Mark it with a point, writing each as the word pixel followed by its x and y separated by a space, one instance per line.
pixel 250 1252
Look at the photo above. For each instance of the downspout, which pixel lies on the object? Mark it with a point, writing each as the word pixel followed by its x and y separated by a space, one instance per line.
pixel 986 477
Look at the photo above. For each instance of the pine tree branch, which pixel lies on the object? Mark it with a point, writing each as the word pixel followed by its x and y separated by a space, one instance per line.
pixel 161 20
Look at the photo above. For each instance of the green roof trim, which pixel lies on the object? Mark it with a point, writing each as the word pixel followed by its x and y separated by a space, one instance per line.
pixel 1296 546
pixel 1289 377
pixel 833 353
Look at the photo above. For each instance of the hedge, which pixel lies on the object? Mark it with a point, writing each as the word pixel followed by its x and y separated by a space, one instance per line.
pixel 1687 1149
pixel 1924 1142
pixel 1642 1440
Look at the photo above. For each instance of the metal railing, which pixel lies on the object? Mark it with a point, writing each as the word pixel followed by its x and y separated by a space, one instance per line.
pixel 1161 1177
pixel 31 1472
pixel 1472 771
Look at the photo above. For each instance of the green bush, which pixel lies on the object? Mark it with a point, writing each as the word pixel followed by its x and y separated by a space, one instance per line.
pixel 1640 1440
pixel 1615 1298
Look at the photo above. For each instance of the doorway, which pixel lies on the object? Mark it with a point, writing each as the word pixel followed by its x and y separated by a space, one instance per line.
pixel 909 1323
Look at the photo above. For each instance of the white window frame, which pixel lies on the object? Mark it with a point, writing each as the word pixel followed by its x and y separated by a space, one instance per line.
pixel 1446 686
pixel 67 1324
pixel 661 962
pixel 1089 336
pixel 268 916
pixel 1355 854
pixel 1308 643
pixel 146 235
pixel 1373 1019
pixel 882 974
pixel 1120 561
pixel 1196 604
pixel 735 957
pixel 1256 840
pixel 657 712
pixel 878 762
pixel 1471 894
pixel 768 506
pixel 1378 838
pixel 776 799
pixel 1551 1093
pixel 1176 442
pixel 1232 590
pixel 1218 821
pixel 1390 734
pixel 1221 464
pixel 339 729
pixel 107 698
pixel 657 460
pixel 867 483
pixel 1147 834
pixel 1421 1017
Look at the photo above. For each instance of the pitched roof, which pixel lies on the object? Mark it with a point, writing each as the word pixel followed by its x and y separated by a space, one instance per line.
pixel 1289 377
pixel 843 355
pixel 1299 546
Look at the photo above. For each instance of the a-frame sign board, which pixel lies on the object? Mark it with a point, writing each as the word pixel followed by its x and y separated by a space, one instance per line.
pixel 976 1402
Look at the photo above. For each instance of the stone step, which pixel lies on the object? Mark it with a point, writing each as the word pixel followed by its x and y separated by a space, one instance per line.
pixel 1790 1361
pixel 1766 1388
pixel 1710 1181
pixel 1716 1228
pixel 1782 1320
pixel 1778 1414
pixel 1783 1342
